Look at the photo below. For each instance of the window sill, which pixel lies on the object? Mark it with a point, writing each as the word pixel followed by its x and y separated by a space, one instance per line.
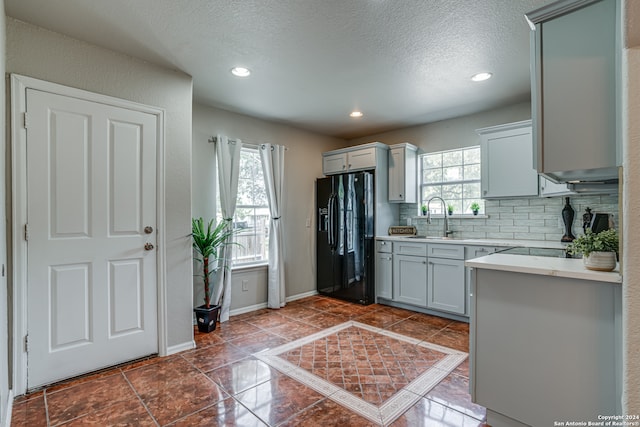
pixel 249 267
pixel 454 216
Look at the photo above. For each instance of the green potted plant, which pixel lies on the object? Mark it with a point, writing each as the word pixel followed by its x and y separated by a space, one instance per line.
pixel 423 208
pixel 207 241
pixel 475 208
pixel 450 209
pixel 599 250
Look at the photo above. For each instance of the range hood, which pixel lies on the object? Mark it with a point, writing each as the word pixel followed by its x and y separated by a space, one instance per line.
pixel 589 181
pixel 607 175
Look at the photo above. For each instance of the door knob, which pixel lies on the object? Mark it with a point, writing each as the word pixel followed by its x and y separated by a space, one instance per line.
pixel 148 229
pixel 148 246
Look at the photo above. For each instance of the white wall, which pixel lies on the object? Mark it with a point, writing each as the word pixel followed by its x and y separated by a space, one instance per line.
pixel 39 53
pixel 452 133
pixel 303 165
pixel 630 209
pixel 4 312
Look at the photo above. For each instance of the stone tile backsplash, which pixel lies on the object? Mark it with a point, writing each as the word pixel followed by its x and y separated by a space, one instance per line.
pixel 519 219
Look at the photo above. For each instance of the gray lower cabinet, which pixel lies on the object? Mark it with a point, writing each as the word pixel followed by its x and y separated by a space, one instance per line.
pixel 544 349
pixel 384 275
pixel 446 285
pixel 410 279
pixel 446 282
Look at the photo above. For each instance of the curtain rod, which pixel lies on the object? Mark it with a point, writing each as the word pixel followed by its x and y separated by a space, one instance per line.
pixel 214 139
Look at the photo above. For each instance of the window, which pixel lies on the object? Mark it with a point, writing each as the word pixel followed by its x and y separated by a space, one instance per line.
pixel 453 175
pixel 251 219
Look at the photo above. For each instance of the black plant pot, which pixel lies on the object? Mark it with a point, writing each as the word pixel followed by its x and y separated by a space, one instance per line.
pixel 475 212
pixel 207 318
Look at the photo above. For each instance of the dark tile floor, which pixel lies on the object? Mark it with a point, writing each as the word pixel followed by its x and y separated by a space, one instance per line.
pixel 220 383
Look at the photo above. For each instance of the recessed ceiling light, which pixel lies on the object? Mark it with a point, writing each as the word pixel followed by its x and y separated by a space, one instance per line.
pixel 481 77
pixel 356 114
pixel 240 71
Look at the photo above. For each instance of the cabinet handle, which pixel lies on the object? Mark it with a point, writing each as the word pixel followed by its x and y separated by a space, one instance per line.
pixel 349 165
pixel 389 258
pixel 424 262
pixel 485 191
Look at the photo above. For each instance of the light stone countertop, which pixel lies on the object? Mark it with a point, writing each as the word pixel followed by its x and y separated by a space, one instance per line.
pixel 546 266
pixel 538 244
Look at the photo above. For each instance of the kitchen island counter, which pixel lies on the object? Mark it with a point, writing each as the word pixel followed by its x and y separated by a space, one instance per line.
pixel 546 266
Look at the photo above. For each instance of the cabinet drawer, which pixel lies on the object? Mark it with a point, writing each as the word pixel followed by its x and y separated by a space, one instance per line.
pixel 410 248
pixel 383 246
pixel 446 251
pixel 472 252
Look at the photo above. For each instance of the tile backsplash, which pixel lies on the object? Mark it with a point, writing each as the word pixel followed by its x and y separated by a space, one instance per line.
pixel 519 219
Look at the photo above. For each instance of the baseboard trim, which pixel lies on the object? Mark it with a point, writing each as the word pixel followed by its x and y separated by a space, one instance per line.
pixel 250 308
pixel 247 309
pixel 302 295
pixel 173 349
pixel 6 422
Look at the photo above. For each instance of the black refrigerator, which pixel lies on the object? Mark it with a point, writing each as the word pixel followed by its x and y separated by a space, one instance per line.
pixel 345 237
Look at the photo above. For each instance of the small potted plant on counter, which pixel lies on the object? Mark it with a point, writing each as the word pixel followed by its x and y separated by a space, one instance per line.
pixel 599 250
pixel 423 208
pixel 475 208
pixel 450 209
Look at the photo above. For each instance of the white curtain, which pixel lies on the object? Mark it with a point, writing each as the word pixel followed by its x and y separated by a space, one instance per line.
pixel 272 157
pixel 228 154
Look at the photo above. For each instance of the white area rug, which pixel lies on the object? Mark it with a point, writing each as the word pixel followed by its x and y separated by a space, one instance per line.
pixel 392 407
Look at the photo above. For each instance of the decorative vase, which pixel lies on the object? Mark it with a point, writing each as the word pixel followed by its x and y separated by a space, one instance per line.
pixel 600 261
pixel 207 318
pixel 567 217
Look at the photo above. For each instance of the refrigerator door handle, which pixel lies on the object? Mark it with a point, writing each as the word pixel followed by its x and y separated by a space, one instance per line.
pixel 330 220
pixel 333 229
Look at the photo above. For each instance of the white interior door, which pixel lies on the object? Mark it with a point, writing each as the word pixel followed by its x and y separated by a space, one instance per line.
pixel 91 198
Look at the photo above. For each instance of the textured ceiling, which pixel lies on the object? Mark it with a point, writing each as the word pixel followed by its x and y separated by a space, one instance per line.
pixel 402 62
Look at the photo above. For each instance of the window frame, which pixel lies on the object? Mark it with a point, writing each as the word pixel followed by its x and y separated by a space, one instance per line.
pixel 253 262
pixel 442 183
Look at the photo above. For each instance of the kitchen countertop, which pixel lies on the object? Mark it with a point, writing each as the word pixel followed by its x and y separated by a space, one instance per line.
pixel 538 244
pixel 560 267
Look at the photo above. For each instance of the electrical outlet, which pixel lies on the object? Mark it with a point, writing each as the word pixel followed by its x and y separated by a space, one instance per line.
pixel 245 285
pixel 308 223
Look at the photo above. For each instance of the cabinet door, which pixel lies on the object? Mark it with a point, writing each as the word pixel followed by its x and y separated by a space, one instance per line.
pixel 507 163
pixel 384 275
pixel 575 103
pixel 410 279
pixel 396 175
pixel 334 163
pixel 361 159
pixel 549 188
pixel 403 174
pixel 447 285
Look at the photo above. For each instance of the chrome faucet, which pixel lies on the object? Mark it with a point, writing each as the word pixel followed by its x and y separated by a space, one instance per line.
pixel 445 230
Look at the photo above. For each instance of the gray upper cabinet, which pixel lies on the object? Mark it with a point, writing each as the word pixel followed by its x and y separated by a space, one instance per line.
pixel 507 161
pixel 352 159
pixel 403 173
pixel 575 101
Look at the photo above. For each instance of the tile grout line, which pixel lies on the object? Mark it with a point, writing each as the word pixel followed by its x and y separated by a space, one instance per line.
pixel 144 405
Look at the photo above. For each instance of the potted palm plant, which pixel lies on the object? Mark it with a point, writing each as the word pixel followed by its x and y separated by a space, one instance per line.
pixel 207 241
pixel 450 209
pixel 475 208
pixel 598 250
